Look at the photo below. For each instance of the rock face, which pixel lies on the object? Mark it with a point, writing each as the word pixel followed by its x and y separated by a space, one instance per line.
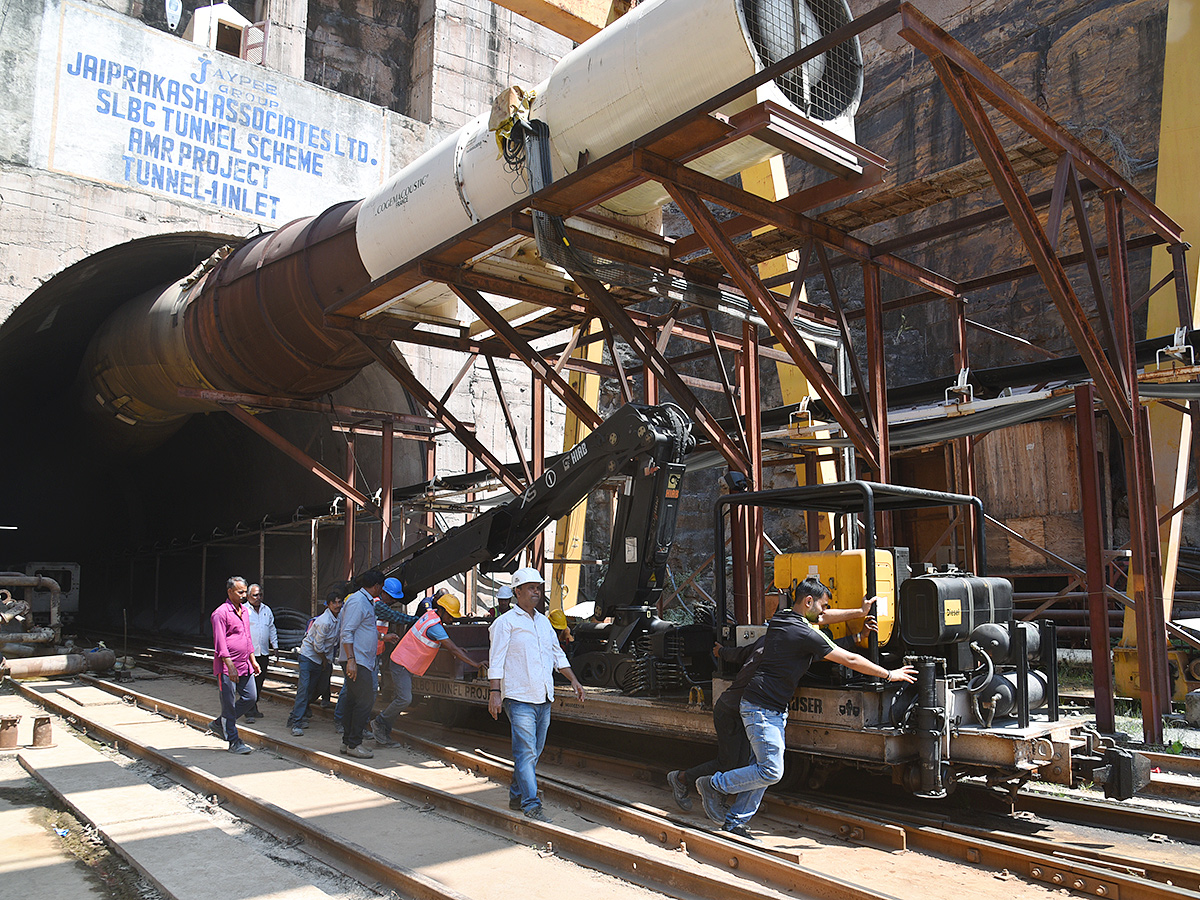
pixel 1095 67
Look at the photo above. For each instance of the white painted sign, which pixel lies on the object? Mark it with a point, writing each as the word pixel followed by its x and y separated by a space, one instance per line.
pixel 137 107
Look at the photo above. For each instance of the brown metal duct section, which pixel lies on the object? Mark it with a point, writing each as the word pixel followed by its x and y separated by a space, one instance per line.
pixel 250 321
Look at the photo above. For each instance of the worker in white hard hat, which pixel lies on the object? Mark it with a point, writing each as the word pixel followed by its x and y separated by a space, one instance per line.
pixel 524 655
pixel 504 598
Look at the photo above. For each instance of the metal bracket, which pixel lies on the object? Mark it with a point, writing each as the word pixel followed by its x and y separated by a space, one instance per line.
pixel 961 389
pixel 1178 349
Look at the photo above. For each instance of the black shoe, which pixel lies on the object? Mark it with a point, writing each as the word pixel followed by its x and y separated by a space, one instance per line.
pixel 741 831
pixel 249 719
pixel 711 798
pixel 216 728
pixel 514 803
pixel 240 748
pixel 538 815
pixel 379 733
pixel 680 789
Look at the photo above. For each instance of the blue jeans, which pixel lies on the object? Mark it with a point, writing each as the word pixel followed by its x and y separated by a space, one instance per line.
pixel 360 699
pixel 529 722
pixel 310 671
pixel 402 682
pixel 764 729
pixel 237 698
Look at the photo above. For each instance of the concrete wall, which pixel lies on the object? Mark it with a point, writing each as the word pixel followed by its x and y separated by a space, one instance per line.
pixel 475 49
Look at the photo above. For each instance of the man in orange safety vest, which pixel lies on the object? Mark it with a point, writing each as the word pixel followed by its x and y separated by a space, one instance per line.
pixel 413 656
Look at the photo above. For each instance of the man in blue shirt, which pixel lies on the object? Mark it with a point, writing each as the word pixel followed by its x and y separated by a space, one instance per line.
pixel 360 638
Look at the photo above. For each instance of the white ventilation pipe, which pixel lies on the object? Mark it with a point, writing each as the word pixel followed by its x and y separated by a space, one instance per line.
pixel 655 63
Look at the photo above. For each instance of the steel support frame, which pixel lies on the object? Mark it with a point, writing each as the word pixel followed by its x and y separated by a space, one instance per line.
pixel 987 143
pixel 382 351
pixel 279 442
pixel 767 306
pixel 615 315
pixel 1093 542
pixel 479 305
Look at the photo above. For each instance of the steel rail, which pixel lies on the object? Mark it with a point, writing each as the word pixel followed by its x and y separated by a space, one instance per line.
pixel 1107 815
pixel 749 861
pixel 835 822
pixel 266 815
pixel 1100 873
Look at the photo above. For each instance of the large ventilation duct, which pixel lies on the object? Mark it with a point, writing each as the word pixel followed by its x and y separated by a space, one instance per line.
pixel 658 61
pixel 253 321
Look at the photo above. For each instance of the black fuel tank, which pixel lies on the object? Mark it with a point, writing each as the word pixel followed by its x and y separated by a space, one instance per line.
pixel 945 607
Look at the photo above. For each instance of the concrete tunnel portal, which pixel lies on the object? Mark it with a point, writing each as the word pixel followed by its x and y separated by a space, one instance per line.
pixel 134 520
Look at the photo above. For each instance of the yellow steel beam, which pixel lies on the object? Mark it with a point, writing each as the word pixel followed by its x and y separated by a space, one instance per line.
pixel 1178 192
pixel 575 19
pixel 568 534
pixel 769 180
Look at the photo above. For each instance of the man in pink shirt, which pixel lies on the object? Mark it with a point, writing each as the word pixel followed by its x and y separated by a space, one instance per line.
pixel 234 664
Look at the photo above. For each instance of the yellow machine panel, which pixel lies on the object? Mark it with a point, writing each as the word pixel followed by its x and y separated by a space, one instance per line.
pixel 845 572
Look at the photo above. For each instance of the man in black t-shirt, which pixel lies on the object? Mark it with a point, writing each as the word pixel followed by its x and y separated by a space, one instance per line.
pixel 790 647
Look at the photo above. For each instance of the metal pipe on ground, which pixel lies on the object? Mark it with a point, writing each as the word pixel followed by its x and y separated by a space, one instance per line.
pixel 37 582
pixel 53 666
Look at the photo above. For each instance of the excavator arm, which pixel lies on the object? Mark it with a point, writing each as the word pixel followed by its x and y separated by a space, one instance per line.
pixel 645 443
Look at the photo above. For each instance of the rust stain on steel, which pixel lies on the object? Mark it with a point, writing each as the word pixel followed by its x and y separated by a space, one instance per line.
pixel 258 324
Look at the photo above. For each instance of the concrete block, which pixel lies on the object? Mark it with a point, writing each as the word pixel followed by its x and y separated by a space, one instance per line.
pixel 1191 710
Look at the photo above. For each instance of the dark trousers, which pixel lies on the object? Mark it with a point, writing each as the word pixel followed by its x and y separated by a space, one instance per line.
pixel 260 678
pixel 360 699
pixel 237 697
pixel 324 686
pixel 733 748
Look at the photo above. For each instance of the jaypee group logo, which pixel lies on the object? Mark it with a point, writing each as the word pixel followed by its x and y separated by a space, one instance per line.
pixel 136 107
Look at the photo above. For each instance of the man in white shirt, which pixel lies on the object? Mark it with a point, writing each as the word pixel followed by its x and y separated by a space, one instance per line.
pixel 524 654
pixel 265 638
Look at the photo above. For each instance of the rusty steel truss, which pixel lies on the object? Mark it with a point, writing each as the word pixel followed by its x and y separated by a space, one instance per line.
pixel 722 255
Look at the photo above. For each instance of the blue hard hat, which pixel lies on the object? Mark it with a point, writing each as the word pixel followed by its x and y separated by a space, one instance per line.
pixel 393 588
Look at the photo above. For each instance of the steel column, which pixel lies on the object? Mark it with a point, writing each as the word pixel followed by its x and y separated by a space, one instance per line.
pixel 750 395
pixel 875 403
pixel 966 448
pixel 348 530
pixel 385 492
pixel 1093 543
pixel 537 450
pixel 314 582
pixel 1144 582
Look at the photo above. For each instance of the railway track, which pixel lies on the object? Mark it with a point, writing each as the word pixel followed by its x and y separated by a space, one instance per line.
pixel 1033 844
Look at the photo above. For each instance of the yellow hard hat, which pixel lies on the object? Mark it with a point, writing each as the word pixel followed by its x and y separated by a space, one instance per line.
pixel 450 604
pixel 558 619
